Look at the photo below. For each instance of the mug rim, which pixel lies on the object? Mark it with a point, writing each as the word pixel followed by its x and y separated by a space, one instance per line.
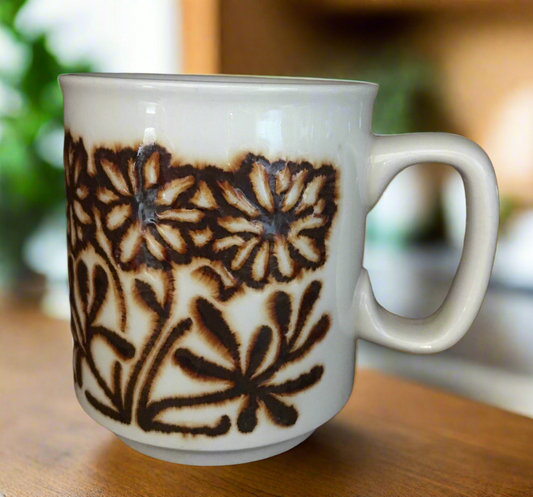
pixel 217 81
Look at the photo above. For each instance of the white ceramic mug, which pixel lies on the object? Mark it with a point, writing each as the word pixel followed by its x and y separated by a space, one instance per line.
pixel 216 234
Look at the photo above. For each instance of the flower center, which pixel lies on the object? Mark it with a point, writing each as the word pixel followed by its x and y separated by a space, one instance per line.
pixel 245 385
pixel 146 208
pixel 277 223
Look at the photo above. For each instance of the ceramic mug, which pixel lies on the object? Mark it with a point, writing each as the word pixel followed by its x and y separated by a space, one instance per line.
pixel 215 233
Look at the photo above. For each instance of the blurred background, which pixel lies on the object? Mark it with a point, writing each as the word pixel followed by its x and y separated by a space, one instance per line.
pixel 461 66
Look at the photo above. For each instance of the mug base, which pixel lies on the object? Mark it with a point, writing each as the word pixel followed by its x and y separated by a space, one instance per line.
pixel 214 458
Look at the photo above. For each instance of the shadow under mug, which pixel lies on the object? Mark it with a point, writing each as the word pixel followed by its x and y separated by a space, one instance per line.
pixel 215 234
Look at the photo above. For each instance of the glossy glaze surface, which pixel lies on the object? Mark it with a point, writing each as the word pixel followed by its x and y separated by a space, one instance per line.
pixel 216 233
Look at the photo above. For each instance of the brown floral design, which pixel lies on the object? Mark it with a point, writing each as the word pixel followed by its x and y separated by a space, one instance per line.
pixel 151 212
pixel 134 219
pixel 275 220
pixel 265 219
pixel 254 384
pixel 79 215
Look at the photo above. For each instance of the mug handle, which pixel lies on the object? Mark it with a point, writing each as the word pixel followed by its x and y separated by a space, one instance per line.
pixel 391 154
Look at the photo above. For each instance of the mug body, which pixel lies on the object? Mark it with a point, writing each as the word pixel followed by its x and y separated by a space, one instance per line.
pixel 215 234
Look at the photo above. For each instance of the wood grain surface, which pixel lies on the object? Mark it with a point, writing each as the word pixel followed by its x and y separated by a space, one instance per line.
pixel 393 438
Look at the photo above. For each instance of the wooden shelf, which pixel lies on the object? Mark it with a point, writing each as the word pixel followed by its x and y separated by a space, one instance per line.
pixel 408 5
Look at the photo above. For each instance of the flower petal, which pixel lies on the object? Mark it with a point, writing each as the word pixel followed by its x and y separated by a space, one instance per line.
pixel 279 306
pixel 283 180
pixel 132 173
pixel 80 213
pixel 146 294
pixel 203 197
pixel 304 381
pixel 100 287
pixel 247 420
pixel 243 253
pixel 279 412
pixel 227 242
pixel 151 170
pixel 78 371
pixel 260 265
pixel 293 195
pixel 115 176
pixel 237 199
pixel 309 299
pixel 70 157
pixel 155 248
pixel 82 192
pixel 258 350
pixel 311 192
pixel 216 277
pixel 319 206
pixel 226 277
pixel 306 246
pixel 105 195
pixel 261 186
pixel 316 335
pixel 119 344
pixel 77 167
pixel 71 227
pixel 241 225
pixel 200 368
pixel 173 237
pixel 182 215
pixel 82 281
pixel 307 223
pixel 91 168
pixel 170 192
pixel 201 237
pixel 118 216
pixel 131 242
pixel 216 330
pixel 281 252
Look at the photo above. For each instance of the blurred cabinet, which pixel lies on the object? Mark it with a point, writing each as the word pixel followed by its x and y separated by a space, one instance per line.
pixel 401 4
pixel 482 48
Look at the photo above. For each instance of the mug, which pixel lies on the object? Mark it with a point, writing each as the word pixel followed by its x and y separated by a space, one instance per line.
pixel 215 237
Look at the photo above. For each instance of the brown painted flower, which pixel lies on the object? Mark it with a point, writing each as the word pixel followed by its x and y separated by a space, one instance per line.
pixel 152 212
pixel 254 382
pixel 79 220
pixel 280 216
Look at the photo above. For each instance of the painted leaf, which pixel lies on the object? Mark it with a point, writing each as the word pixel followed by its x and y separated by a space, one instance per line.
pixel 200 368
pixel 78 370
pixel 121 346
pixel 82 279
pixel 146 294
pixel 100 287
pixel 258 349
pixel 218 329
pixel 247 420
pixel 318 332
pixel 104 409
pixel 303 381
pixel 279 412
pixel 281 309
pixel 312 292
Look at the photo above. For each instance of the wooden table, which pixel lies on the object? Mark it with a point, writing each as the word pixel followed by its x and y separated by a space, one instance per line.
pixel 393 438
